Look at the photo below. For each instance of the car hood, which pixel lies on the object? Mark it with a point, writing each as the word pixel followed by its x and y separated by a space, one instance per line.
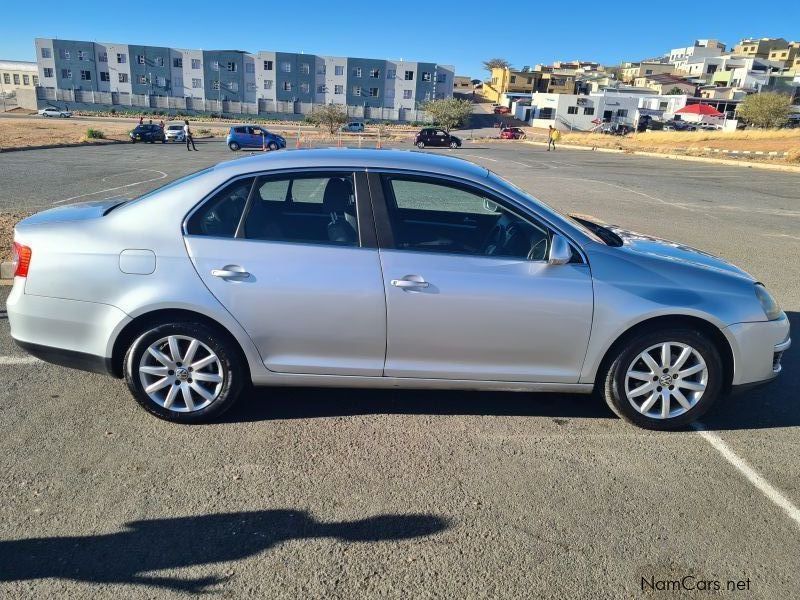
pixel 655 247
pixel 73 212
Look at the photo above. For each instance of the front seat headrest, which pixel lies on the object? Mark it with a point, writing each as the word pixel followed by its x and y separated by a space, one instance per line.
pixel 336 198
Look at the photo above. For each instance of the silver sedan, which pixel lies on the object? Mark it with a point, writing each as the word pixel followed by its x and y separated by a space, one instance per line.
pixel 365 268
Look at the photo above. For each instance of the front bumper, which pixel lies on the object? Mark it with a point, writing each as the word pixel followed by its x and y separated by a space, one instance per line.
pixel 758 349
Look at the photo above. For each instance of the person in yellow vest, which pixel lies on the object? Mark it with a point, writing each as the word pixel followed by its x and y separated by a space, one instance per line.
pixel 553 135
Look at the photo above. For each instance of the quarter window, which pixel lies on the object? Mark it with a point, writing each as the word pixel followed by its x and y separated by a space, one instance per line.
pixel 220 215
pixel 435 216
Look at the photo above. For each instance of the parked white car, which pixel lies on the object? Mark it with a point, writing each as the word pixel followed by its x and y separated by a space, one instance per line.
pixel 54 112
pixel 174 133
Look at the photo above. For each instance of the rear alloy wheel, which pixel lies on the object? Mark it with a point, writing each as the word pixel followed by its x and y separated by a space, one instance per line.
pixel 420 145
pixel 184 372
pixel 454 145
pixel 234 146
pixel 272 146
pixel 664 380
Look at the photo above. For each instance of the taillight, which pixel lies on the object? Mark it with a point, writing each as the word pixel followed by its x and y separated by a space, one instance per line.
pixel 21 259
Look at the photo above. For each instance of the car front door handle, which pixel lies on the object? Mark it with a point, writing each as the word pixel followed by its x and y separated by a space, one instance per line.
pixel 410 282
pixel 230 272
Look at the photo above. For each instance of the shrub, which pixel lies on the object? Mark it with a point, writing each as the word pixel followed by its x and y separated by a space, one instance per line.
pixel 793 155
pixel 95 134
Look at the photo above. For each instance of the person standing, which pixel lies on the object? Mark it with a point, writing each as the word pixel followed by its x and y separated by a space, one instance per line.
pixel 551 137
pixel 141 120
pixel 187 134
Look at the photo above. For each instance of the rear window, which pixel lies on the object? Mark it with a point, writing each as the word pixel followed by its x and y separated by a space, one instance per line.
pixel 175 127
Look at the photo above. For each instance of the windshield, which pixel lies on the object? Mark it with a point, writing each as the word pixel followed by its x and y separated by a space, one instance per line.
pixel 572 222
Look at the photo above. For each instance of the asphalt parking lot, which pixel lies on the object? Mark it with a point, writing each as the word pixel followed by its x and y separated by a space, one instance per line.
pixel 308 493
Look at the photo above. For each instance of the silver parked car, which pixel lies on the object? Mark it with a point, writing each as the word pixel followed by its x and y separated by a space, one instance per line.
pixel 369 268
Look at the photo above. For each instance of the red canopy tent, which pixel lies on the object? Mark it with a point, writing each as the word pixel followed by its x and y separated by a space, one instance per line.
pixel 702 110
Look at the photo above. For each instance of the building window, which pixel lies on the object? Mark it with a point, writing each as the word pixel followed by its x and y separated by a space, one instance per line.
pixel 409 76
pixel 321 70
pixel 338 70
pixel 233 86
pixel 442 78
pixel 86 75
pixel 426 76
pixel 251 86
pixel 197 83
pixel 663 105
pixel 140 59
pixel 373 92
pixel 305 69
pixel 357 72
pixel 66 73
pixel 287 86
pixel 268 65
pixel 250 67
pixel 622 112
pixel 391 73
pixel 513 79
pixel 304 88
pixel 195 63
pixel 427 96
pixel 215 84
pixel 16 78
pixel 546 114
pixel 46 53
pixel 6 79
pixel 286 67
pixel 375 73
pixel 35 80
pixel 102 57
pixel 338 89
pixel 572 110
pixel 356 90
pixel 159 61
pixel 177 63
pixel 81 55
pixel 232 67
pixel 215 65
pixel 161 81
pixel 105 76
pixel 321 89
pixel 48 72
pixel 406 94
pixel 63 54
pixel 267 84
pixel 589 110
pixel 142 79
pixel 123 77
pixel 121 59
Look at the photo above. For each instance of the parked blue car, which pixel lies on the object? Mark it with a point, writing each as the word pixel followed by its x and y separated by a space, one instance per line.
pixel 253 136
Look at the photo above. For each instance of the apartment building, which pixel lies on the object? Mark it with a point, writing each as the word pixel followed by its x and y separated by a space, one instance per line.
pixel 789 56
pixel 700 49
pixel 264 81
pixel 630 71
pixel 664 83
pixel 17 74
pixel 758 47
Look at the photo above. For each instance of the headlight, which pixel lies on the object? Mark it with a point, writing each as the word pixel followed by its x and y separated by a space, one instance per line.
pixel 771 308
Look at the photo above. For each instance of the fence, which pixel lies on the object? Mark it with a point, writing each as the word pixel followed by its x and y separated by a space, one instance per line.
pixel 95 100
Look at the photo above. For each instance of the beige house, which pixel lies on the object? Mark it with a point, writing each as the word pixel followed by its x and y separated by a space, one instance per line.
pixel 664 83
pixel 788 56
pixel 17 74
pixel 759 47
pixel 632 70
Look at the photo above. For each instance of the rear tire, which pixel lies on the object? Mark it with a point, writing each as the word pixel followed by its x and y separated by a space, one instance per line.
pixel 636 388
pixel 212 377
pixel 420 145
pixel 234 146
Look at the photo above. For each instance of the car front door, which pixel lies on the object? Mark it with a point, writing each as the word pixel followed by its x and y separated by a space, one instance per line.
pixel 293 258
pixel 441 138
pixel 469 292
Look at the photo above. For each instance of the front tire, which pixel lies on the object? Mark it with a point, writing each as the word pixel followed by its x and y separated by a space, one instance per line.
pixel 272 146
pixel 453 145
pixel 663 380
pixel 184 372
pixel 234 146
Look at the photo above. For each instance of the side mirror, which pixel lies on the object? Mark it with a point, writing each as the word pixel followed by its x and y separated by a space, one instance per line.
pixel 560 251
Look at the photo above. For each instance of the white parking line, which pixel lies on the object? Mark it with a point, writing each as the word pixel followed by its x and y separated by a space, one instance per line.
pixel 750 474
pixel 18 360
pixel 162 175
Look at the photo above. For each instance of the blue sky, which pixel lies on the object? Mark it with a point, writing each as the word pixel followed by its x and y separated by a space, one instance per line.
pixel 462 33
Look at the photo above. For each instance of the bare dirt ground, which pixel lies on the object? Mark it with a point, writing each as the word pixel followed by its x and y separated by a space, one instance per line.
pixel 7 222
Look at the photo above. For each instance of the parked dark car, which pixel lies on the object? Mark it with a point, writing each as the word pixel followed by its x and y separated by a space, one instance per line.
pixel 501 110
pixel 615 129
pixel 436 137
pixel 679 126
pixel 148 133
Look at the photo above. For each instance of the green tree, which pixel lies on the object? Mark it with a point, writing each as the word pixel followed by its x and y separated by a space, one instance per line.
pixel 768 109
pixel 449 112
pixel 676 91
pixel 331 116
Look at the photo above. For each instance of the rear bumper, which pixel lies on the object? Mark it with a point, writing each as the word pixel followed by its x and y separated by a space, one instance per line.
pixel 758 349
pixel 68 358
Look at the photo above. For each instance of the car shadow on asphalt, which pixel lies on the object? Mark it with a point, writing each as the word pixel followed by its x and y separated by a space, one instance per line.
pixel 127 556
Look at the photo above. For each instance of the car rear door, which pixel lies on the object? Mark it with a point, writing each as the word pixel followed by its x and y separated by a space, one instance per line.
pixel 293 257
pixel 483 304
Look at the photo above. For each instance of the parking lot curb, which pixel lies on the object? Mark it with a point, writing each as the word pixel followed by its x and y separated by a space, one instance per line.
pixel 705 159
pixel 51 146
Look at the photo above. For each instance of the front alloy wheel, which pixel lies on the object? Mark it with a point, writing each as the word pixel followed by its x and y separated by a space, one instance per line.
pixel 184 372
pixel 663 380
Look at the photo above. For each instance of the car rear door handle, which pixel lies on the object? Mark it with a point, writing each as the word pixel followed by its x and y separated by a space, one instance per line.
pixel 230 272
pixel 410 282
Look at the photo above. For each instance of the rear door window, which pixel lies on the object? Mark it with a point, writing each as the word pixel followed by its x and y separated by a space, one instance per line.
pixel 219 216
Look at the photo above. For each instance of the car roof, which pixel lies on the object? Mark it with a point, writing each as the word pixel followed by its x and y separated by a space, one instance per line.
pixel 409 160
